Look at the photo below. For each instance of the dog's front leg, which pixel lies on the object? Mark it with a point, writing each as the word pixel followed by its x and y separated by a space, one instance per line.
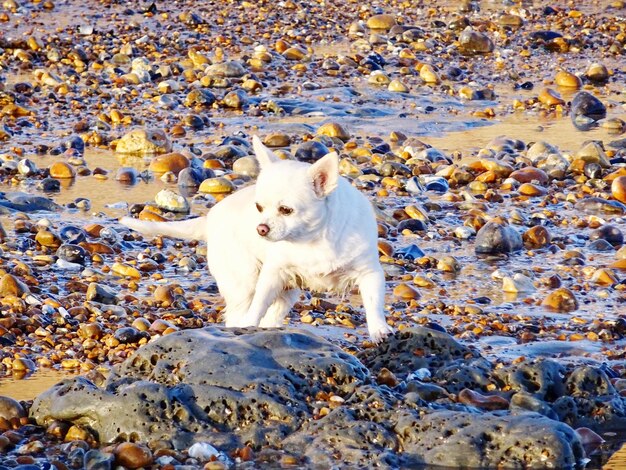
pixel 372 289
pixel 268 287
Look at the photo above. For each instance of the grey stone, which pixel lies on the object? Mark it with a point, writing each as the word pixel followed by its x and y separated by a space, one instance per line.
pixel 544 378
pixel 495 237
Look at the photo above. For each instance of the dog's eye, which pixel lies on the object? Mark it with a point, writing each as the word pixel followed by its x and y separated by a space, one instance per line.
pixel 284 210
pixel 259 207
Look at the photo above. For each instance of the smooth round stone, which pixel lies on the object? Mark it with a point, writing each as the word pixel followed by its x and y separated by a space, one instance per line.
pixel 610 233
pixel 334 129
pixel 618 188
pixel 436 183
pixel 474 42
pixel 485 402
pixel 381 21
pixel 449 264
pixel 144 142
pixel 127 175
pixel 567 80
pixel 174 162
pixel 231 68
pixel 406 292
pixel 550 97
pixel 10 285
pixel 72 253
pixel 277 139
pixel 48 239
pixel 100 293
pixel 585 105
pixel 532 190
pixel 235 99
pixel 537 237
pixel 21 364
pixel 62 170
pixel 530 174
pixel 125 270
pixel 191 177
pixel 163 294
pixel 597 72
pixel 397 86
pixel 10 408
pixel 597 204
pixel 132 455
pixel 295 53
pixel 311 151
pixel 378 77
pixel 429 74
pixel 217 185
pixel 199 97
pixel 49 185
pixel 497 237
pixel 247 166
pixel 168 200
pixel 561 300
pixel 128 334
pixel 71 234
pixel 412 225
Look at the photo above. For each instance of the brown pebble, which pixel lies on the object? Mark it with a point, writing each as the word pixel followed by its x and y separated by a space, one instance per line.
pixel 174 162
pixel 618 188
pixel 550 97
pixel 529 174
pixel 62 170
pixel 567 80
pixel 532 190
pixel 132 455
pixel 386 377
pixel 536 237
pixel 406 292
pixel 10 408
pixel 561 300
pixel 486 402
pixel 77 433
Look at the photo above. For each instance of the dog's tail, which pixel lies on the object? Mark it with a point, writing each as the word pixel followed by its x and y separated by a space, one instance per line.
pixel 190 229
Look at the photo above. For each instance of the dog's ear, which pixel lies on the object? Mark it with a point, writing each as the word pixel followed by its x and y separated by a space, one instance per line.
pixel 324 174
pixel 264 156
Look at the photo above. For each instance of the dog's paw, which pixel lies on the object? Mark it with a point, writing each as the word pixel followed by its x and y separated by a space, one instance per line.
pixel 378 333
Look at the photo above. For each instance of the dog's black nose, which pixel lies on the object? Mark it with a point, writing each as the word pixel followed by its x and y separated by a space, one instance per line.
pixel 263 229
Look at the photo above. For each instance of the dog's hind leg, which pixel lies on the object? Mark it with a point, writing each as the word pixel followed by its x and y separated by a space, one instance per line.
pixel 276 313
pixel 372 288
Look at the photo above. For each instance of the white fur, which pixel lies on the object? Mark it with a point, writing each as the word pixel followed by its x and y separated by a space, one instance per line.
pixel 327 243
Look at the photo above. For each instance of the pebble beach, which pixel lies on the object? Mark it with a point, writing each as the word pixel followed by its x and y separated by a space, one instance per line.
pixel 490 138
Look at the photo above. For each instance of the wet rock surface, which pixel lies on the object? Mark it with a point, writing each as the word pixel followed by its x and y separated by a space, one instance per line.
pixel 291 390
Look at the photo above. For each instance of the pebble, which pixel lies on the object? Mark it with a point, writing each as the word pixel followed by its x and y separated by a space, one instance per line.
pixel 610 233
pixel 497 237
pixel 72 253
pixel 567 80
pixel 311 151
pixel 277 139
pixel 132 455
pixel 519 283
pixel 10 285
pixel 203 451
pixel 618 188
pixel 168 200
pixel 10 408
pixel 334 129
pixel 474 42
pixel 486 402
pixel 191 177
pixel 537 237
pixel 125 270
pixel 174 162
pixel 550 97
pixel 405 292
pixel 247 166
pixel 597 72
pixel 561 300
pixel 217 185
pixel 101 294
pixel 382 21
pixel 144 142
pixel 586 108
pixel 127 175
pixel 61 170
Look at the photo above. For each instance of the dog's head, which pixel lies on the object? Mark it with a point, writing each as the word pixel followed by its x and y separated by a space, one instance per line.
pixel 291 197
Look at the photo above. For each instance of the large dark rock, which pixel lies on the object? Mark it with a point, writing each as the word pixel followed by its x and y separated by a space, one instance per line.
pixel 267 389
pixel 586 109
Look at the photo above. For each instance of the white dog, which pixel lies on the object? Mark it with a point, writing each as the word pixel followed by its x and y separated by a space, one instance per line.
pixel 300 226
